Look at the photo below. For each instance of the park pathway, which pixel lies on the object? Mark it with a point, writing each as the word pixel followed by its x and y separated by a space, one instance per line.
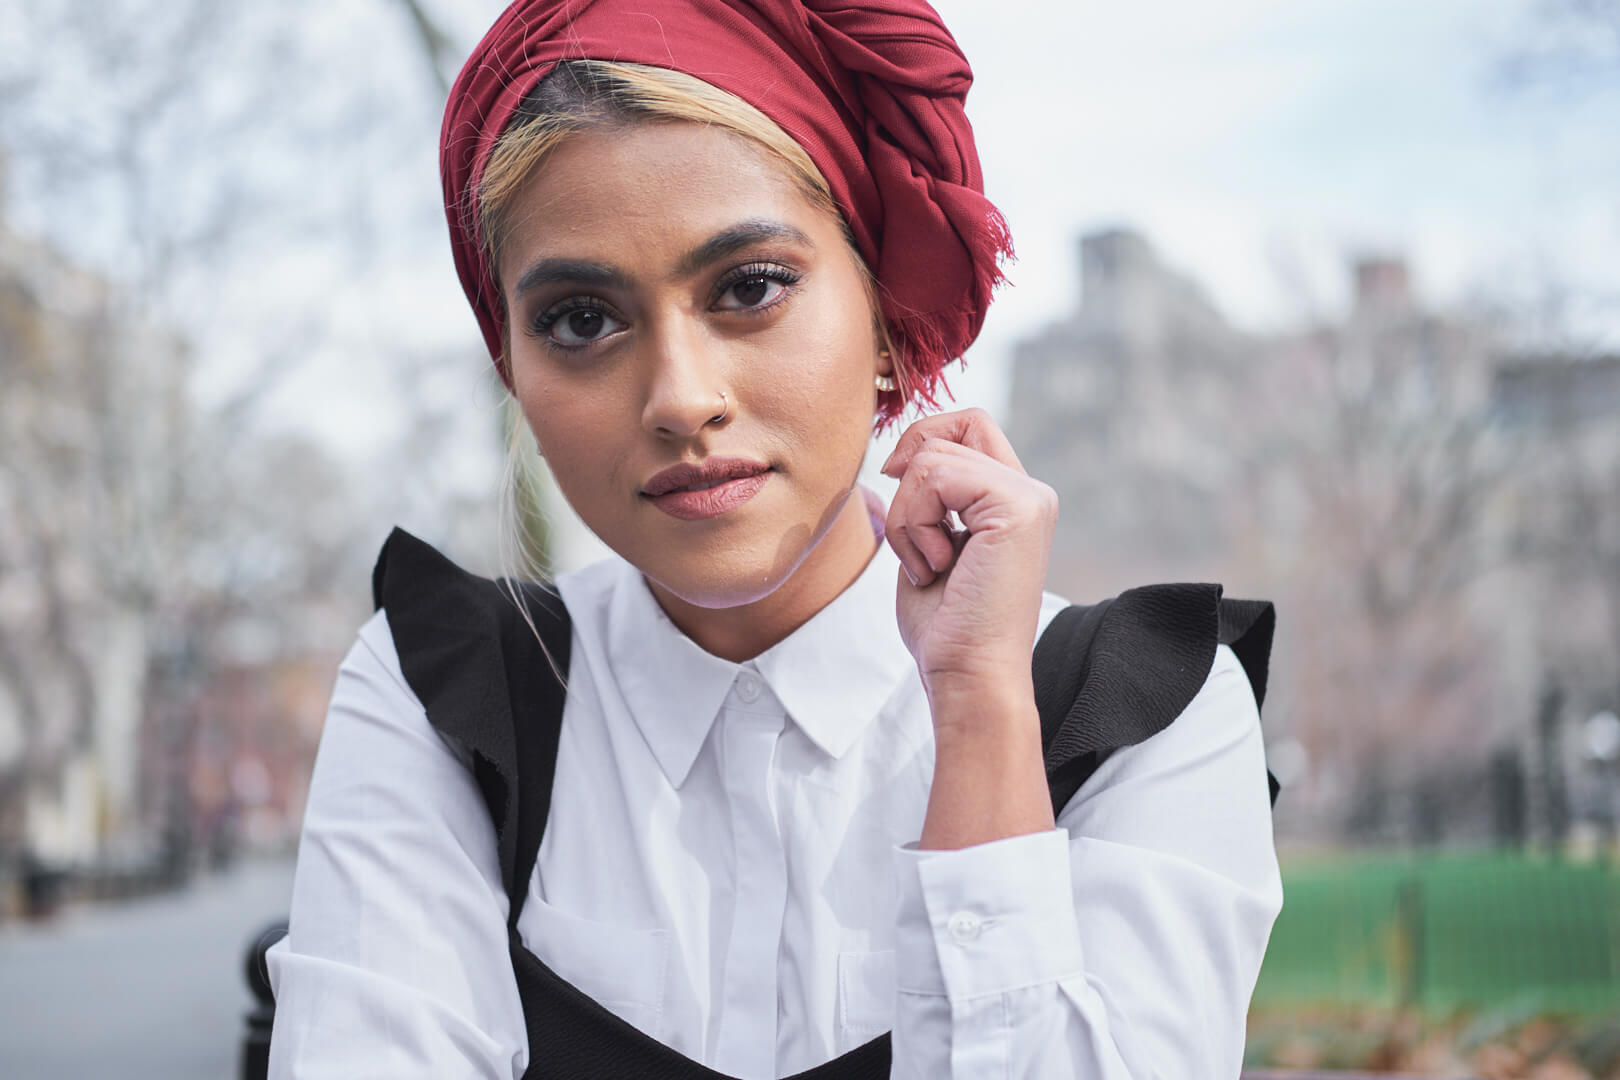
pixel 148 989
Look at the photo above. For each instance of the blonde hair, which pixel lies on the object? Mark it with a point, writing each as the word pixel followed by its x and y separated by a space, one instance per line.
pixel 577 95
pixel 580 94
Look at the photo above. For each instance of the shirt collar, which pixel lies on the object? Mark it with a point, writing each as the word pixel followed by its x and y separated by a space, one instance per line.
pixel 836 672
pixel 673 686
pixel 832 675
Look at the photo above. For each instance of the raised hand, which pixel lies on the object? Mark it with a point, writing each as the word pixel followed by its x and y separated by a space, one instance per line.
pixel 968 599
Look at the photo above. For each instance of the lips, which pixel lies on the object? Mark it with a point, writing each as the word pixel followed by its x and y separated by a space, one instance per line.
pixel 697 492
pixel 710 473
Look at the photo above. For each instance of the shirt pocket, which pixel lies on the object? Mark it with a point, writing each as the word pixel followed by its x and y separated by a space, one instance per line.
pixel 866 991
pixel 622 968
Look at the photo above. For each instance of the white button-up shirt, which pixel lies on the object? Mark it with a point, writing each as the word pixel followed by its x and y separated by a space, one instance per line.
pixel 730 864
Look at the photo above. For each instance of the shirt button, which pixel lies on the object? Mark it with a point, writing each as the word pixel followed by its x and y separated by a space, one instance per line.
pixel 963 926
pixel 748 687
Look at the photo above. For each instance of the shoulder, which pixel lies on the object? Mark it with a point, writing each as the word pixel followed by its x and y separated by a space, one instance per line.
pixel 450 643
pixel 1147 651
pixel 459 636
pixel 1223 711
pixel 373 693
pixel 1116 673
pixel 1196 790
pixel 1228 682
pixel 374 651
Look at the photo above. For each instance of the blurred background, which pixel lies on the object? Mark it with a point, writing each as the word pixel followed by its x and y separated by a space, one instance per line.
pixel 1319 300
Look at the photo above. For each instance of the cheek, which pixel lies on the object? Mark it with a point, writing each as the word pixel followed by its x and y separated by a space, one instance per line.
pixel 819 368
pixel 581 444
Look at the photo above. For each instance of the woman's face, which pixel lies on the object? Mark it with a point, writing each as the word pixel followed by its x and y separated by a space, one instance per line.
pixel 649 268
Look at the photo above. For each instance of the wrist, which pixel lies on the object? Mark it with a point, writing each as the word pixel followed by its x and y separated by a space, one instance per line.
pixel 974 706
pixel 989 774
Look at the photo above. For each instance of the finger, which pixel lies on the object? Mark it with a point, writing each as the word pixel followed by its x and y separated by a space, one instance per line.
pixel 904 536
pixel 912 563
pixel 922 543
pixel 984 494
pixel 920 512
pixel 971 428
pixel 944 448
pixel 934 541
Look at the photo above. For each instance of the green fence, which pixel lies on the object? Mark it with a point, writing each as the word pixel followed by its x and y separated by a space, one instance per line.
pixel 1446 931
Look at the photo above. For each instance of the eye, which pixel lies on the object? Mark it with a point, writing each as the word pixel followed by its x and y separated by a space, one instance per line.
pixel 755 287
pixel 577 322
pixel 752 292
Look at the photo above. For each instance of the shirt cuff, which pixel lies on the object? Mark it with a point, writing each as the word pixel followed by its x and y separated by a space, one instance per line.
pixel 986 919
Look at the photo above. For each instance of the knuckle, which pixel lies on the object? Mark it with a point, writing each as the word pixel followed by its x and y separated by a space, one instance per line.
pixel 1046 499
pixel 917 429
pixel 1033 502
pixel 916 469
pixel 928 463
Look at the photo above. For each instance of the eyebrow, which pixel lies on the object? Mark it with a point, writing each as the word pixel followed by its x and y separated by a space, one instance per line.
pixel 607 276
pixel 573 271
pixel 735 239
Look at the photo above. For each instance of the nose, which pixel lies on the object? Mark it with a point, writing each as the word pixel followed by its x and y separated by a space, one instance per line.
pixel 684 383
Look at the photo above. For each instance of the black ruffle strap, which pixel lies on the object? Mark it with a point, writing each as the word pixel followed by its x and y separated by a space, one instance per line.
pixel 473 660
pixel 1114 673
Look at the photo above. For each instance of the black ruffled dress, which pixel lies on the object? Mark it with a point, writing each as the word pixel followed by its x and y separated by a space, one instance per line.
pixel 1106 675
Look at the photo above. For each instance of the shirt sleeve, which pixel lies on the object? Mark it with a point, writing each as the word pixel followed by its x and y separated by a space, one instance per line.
pixel 1126 942
pixel 396 961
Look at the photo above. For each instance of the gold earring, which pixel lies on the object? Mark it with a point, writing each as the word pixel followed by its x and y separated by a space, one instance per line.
pixel 884 382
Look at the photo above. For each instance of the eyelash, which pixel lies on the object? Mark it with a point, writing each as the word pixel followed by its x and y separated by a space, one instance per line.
pixel 752 271
pixel 542 325
pixel 557 312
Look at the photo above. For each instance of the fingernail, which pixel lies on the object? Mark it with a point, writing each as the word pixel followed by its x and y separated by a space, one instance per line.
pixel 909 575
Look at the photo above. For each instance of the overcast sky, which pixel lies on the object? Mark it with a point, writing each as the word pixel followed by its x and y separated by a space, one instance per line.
pixel 1230 131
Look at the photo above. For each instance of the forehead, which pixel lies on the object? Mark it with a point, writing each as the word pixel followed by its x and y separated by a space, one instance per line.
pixel 643 194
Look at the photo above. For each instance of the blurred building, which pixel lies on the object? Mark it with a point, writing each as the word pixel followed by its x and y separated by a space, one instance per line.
pixel 72 649
pixel 1562 521
pixel 174 595
pixel 1391 478
pixel 1136 374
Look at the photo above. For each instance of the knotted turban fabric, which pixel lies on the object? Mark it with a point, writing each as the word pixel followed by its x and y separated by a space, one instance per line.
pixel 872 90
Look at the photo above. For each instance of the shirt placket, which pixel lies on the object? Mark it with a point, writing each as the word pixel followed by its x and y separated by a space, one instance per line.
pixel 751 725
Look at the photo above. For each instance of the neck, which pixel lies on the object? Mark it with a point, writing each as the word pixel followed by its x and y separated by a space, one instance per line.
pixel 743 632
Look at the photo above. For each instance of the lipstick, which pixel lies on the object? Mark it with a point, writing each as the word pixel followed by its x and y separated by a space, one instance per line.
pixel 706 490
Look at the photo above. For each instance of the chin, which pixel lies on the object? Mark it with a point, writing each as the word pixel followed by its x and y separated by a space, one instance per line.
pixel 712 580
pixel 715 573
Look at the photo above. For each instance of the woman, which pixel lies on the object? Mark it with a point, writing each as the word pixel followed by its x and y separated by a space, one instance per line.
pixel 802 804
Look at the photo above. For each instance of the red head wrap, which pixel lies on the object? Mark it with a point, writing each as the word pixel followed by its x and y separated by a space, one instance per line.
pixel 873 92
